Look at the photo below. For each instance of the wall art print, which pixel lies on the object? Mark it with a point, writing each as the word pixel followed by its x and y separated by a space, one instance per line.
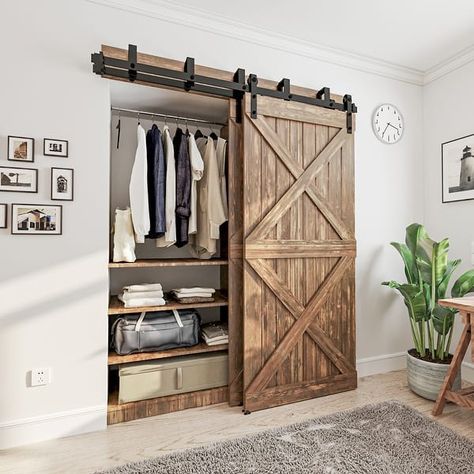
pixel 21 149
pixel 457 157
pixel 36 219
pixel 62 184
pixel 20 180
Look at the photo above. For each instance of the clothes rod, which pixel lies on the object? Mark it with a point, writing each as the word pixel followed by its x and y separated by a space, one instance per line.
pixel 171 117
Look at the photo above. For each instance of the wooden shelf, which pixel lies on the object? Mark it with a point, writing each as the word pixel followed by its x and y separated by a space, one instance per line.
pixel 115 359
pixel 117 307
pixel 169 262
pixel 118 413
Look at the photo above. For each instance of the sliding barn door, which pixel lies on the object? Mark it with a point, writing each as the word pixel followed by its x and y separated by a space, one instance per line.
pixel 299 250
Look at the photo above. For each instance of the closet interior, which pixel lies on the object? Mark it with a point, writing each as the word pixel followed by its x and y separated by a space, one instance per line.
pixel 171 267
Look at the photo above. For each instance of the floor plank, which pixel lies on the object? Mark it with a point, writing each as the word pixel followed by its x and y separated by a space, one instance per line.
pixel 142 439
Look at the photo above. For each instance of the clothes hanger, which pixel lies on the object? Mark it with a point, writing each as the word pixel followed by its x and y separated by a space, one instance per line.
pixel 118 127
pixel 198 134
pixel 212 135
pixel 138 118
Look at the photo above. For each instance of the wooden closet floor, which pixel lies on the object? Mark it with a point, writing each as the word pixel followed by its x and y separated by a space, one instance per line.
pixel 150 437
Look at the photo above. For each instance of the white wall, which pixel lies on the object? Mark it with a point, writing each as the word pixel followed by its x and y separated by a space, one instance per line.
pixel 448 105
pixel 54 289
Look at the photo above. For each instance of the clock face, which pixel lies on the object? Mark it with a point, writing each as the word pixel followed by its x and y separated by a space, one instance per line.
pixel 387 123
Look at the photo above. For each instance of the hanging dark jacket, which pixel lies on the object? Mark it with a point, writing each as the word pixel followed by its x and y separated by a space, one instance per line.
pixel 183 187
pixel 156 177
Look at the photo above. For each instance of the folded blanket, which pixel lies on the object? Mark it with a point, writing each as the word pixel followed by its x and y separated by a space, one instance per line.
pixel 194 299
pixel 139 302
pixel 128 295
pixel 195 289
pixel 191 295
pixel 143 287
pixel 216 343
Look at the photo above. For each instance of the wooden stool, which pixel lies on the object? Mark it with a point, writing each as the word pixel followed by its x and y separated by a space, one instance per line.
pixel 463 397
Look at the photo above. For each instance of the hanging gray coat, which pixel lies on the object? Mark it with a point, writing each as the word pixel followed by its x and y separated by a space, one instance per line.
pixel 183 187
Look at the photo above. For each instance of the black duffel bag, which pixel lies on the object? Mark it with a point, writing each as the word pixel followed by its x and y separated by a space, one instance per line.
pixel 155 330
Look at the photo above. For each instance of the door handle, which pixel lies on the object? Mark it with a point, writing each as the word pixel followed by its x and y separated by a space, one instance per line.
pixel 179 378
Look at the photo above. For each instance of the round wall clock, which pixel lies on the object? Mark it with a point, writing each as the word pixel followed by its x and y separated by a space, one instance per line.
pixel 387 123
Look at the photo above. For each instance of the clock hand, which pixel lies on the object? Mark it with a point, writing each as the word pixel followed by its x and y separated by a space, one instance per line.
pixel 393 126
pixel 385 129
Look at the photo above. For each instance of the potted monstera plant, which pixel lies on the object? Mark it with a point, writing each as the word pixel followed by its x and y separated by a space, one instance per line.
pixel 428 272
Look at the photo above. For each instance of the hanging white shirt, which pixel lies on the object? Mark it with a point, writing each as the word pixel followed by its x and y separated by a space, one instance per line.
pixel 221 150
pixel 170 198
pixel 210 209
pixel 138 190
pixel 197 170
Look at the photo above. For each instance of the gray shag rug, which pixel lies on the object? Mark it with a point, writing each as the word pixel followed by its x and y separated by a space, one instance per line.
pixel 382 438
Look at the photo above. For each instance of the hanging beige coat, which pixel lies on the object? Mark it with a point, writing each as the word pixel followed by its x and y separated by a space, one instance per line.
pixel 210 211
pixel 221 150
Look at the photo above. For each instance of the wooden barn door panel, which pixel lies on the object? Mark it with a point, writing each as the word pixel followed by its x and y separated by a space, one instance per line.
pixel 298 255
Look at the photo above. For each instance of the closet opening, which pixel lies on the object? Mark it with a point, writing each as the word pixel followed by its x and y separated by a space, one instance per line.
pixel 151 382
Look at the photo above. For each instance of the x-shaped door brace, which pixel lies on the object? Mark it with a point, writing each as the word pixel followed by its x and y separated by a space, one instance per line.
pixel 304 316
pixel 304 182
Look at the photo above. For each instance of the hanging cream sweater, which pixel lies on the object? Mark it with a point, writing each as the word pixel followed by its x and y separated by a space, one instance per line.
pixel 139 190
pixel 210 210
pixel 197 170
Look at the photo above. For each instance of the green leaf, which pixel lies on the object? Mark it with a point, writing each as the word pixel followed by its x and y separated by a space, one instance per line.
pixel 463 285
pixel 443 319
pixel 412 236
pixel 443 286
pixel 411 271
pixel 414 299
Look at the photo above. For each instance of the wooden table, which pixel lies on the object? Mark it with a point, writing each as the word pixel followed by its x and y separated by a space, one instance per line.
pixel 463 397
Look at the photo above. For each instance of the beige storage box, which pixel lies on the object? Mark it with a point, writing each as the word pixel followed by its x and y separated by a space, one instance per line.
pixel 172 376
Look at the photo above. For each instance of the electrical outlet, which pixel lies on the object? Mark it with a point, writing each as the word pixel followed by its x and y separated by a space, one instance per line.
pixel 40 376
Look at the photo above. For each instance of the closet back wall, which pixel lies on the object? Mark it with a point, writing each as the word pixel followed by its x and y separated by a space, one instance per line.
pixel 54 289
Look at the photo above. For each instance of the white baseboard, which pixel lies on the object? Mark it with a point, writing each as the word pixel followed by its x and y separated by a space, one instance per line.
pixel 381 364
pixel 55 425
pixel 390 362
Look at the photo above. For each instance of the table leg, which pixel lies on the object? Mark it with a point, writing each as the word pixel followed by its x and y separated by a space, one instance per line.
pixel 453 368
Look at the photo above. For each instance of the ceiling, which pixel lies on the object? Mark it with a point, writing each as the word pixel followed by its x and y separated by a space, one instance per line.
pixel 418 34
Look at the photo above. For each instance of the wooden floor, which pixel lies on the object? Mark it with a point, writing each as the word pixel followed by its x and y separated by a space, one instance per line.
pixel 142 439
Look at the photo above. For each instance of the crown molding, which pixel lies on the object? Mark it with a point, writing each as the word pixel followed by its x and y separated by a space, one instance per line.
pixel 172 12
pixel 449 65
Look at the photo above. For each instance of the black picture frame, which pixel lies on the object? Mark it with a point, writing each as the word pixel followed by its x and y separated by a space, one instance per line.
pixel 443 166
pixel 61 154
pixel 10 158
pixel 35 170
pixel 4 224
pixel 52 184
pixel 14 228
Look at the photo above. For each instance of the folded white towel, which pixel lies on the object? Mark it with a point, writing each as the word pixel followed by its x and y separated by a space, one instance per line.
pixel 216 343
pixel 195 289
pixel 128 295
pixel 140 302
pixel 143 287
pixel 192 295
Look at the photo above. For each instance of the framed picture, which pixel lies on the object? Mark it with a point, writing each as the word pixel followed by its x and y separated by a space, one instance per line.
pixel 36 219
pixel 21 149
pixel 62 184
pixel 3 216
pixel 457 161
pixel 20 180
pixel 53 147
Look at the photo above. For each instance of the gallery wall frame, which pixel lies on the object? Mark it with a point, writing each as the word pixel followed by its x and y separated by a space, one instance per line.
pixel 20 149
pixel 62 184
pixel 55 147
pixel 36 219
pixel 18 180
pixel 3 216
pixel 457 169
